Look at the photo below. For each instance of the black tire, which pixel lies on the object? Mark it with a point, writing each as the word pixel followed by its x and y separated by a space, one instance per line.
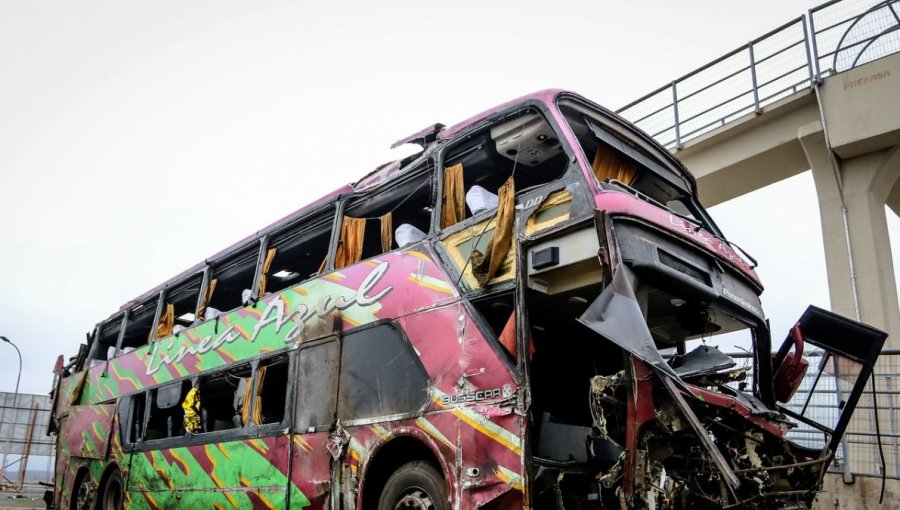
pixel 415 485
pixel 82 497
pixel 113 497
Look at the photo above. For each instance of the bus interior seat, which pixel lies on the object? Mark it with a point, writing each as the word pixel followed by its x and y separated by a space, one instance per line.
pixel 217 424
pixel 407 234
pixel 173 429
pixel 480 200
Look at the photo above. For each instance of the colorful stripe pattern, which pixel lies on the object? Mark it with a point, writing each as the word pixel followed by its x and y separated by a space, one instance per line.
pixel 469 423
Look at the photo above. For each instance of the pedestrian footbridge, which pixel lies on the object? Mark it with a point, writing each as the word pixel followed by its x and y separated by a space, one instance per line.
pixel 819 93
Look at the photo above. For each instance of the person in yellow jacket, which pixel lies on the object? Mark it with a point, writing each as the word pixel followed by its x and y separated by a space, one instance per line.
pixel 191 406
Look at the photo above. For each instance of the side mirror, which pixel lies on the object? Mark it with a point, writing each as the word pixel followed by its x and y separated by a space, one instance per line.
pixel 60 362
pixel 791 366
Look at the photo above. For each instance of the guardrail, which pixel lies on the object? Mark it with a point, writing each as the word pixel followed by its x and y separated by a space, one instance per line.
pixel 829 39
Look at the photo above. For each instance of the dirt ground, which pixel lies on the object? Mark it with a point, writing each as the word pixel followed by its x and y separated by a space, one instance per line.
pixel 30 499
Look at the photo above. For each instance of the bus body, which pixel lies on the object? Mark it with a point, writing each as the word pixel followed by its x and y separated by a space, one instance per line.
pixel 514 317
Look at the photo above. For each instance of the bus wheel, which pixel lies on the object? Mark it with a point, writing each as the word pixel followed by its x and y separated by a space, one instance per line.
pixel 113 492
pixel 82 493
pixel 414 486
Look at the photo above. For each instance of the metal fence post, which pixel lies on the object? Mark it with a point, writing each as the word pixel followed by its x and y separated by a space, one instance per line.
pixel 893 421
pixel 675 108
pixel 848 473
pixel 811 37
pixel 753 78
pixel 809 62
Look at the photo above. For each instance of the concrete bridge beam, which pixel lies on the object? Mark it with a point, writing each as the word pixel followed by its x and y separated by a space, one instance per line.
pixel 869 181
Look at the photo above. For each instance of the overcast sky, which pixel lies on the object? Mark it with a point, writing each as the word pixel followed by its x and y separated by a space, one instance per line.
pixel 136 139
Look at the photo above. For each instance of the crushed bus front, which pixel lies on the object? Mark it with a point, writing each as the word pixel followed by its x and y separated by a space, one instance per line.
pixel 632 405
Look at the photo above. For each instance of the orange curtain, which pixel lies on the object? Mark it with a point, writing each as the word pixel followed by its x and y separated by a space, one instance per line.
pixel 257 403
pixel 485 266
pixel 508 335
pixel 245 403
pixel 453 203
pixel 264 277
pixel 387 232
pixel 508 338
pixel 207 297
pixel 166 322
pixel 611 164
pixel 350 246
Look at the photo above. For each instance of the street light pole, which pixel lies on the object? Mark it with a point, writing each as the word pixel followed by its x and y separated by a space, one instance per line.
pixel 15 401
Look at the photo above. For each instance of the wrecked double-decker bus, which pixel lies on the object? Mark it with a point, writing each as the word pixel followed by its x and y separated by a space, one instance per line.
pixel 519 315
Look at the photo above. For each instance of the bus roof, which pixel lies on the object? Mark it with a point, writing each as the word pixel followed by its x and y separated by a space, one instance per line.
pixel 394 169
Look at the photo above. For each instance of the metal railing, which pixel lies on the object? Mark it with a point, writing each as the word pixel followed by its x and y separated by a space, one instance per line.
pixel 830 38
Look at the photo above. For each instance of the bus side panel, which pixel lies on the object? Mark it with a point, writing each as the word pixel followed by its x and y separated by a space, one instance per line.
pixel 89 430
pixel 470 422
pixel 366 440
pixel 250 473
pixel 491 449
pixel 311 472
pixel 393 285
pixel 84 444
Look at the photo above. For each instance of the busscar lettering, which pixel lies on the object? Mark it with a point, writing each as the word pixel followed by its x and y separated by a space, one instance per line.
pixel 275 313
pixel 471 397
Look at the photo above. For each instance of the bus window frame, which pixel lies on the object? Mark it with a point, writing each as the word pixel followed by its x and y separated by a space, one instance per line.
pixel 287 419
pixel 549 116
pixel 236 253
pixel 487 332
pixel 303 223
pixel 152 397
pixel 164 295
pixel 298 389
pixel 571 179
pixel 125 316
pixel 426 168
pixel 246 431
pixel 408 346
pixel 95 337
pixel 160 304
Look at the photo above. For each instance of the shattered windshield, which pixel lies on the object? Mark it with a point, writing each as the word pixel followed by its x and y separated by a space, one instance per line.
pixel 621 164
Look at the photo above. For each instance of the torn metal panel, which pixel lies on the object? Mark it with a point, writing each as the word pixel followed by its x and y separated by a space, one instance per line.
pixel 616 316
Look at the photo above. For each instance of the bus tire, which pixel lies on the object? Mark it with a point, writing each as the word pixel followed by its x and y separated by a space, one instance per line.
pixel 415 485
pixel 113 497
pixel 82 493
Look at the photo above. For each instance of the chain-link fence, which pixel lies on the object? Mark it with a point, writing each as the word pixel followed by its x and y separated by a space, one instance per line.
pixel 833 37
pixel 861 453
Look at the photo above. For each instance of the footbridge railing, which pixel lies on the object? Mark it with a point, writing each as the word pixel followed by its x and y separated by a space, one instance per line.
pixel 831 38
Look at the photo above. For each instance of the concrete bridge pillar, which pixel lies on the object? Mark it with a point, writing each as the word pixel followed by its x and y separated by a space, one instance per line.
pixel 870 181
